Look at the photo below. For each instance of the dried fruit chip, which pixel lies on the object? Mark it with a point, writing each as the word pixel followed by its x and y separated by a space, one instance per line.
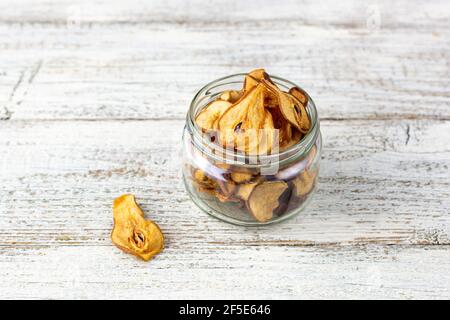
pixel 263 200
pixel 300 95
pixel 284 127
pixel 202 179
pixel 253 78
pixel 295 138
pixel 250 83
pixel 302 115
pixel 285 103
pixel 241 177
pixel 227 187
pixel 247 113
pixel 266 138
pixel 224 166
pixel 211 192
pixel 231 96
pixel 304 183
pixel 206 119
pixel 259 74
pixel 223 198
pixel 132 233
pixel 244 190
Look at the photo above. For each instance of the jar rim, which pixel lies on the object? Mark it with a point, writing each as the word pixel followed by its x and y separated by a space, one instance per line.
pixel 211 148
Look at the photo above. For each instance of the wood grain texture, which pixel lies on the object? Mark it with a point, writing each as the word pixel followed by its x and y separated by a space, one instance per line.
pixel 212 271
pixel 93 61
pixel 373 186
pixel 92 102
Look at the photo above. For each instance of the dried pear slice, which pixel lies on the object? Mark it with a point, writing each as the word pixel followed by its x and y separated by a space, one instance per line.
pixel 206 119
pixel 304 183
pixel 231 96
pixel 295 138
pixel 227 187
pixel 250 83
pixel 284 127
pixel 259 74
pixel 223 166
pixel 244 190
pixel 263 200
pixel 223 198
pixel 202 179
pixel 247 113
pixel 285 103
pixel 211 192
pixel 241 177
pixel 253 78
pixel 132 233
pixel 267 137
pixel 302 115
pixel 300 95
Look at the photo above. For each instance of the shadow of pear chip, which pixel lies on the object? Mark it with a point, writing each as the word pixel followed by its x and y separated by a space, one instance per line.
pixel 132 233
pixel 264 199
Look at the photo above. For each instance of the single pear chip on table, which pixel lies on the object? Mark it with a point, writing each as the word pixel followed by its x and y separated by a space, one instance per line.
pixel 132 233
pixel 207 118
pixel 264 199
pixel 304 183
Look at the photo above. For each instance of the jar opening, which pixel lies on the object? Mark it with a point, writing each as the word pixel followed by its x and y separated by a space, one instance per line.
pixel 208 146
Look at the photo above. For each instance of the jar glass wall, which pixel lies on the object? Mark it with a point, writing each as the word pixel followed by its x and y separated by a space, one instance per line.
pixel 244 189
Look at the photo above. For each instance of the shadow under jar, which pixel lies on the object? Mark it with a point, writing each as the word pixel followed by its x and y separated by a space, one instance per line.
pixel 244 189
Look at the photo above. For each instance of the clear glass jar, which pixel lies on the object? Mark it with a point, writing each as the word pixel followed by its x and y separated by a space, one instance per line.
pixel 210 171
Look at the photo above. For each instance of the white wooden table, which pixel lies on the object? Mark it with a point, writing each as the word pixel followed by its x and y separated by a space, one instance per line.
pixel 92 104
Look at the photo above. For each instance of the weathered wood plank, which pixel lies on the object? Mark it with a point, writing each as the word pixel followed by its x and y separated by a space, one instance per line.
pixel 379 226
pixel 147 63
pixel 380 182
pixel 348 14
pixel 212 271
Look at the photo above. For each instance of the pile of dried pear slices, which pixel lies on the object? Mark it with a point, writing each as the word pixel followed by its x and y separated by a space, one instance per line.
pixel 260 119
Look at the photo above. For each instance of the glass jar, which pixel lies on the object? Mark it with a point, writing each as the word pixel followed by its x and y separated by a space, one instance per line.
pixel 244 189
